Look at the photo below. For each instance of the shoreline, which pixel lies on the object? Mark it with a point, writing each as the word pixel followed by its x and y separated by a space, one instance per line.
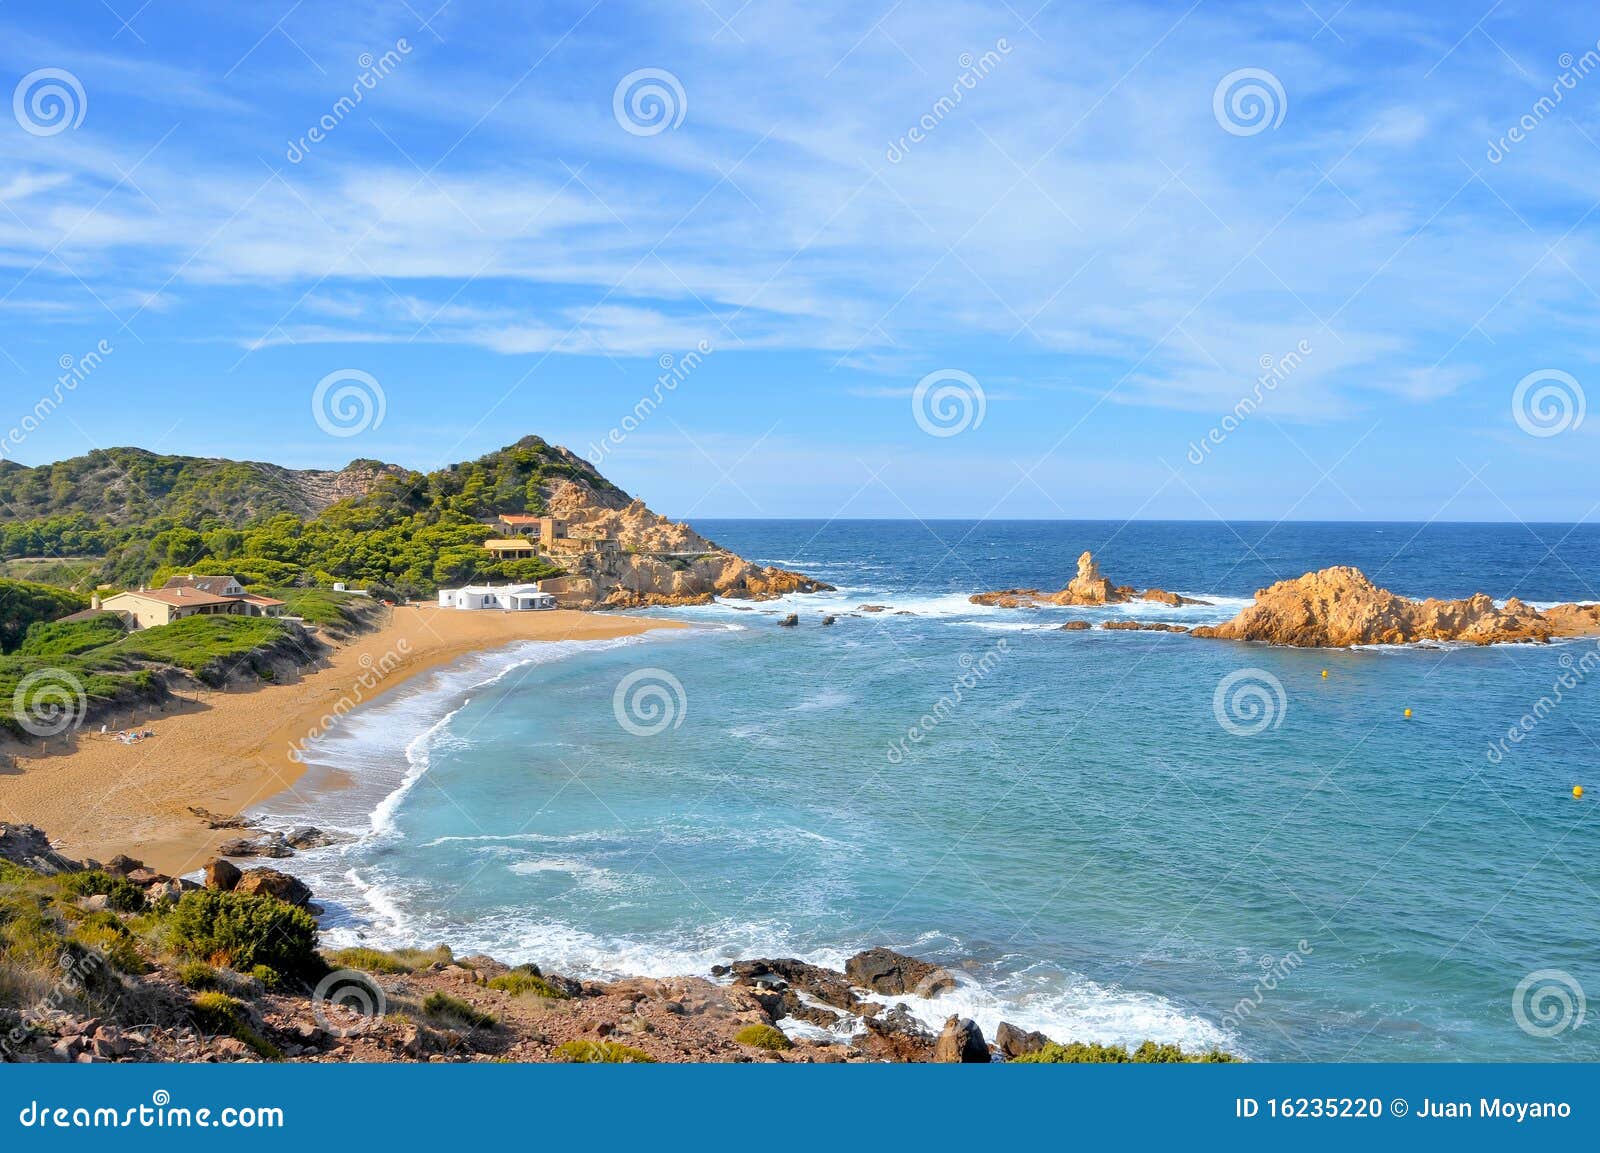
pixel 227 751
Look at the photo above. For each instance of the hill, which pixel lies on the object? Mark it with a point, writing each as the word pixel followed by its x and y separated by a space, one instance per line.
pixel 142 517
pixel 125 486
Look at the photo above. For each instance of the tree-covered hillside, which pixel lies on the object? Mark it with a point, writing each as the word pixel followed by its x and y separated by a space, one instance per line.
pixel 409 533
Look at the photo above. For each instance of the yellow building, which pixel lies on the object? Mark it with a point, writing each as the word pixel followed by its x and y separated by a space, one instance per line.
pixel 151 608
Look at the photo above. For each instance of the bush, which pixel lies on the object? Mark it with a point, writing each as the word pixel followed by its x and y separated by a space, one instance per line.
pixel 219 1013
pixel 121 894
pixel 521 980
pixel 68 638
pixel 198 975
pixel 269 977
pixel 455 1009
pixel 1094 1053
pixel 243 930
pixel 763 1037
pixel 390 962
pixel 105 935
pixel 603 1053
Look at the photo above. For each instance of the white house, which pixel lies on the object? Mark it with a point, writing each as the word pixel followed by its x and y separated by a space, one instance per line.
pixel 506 598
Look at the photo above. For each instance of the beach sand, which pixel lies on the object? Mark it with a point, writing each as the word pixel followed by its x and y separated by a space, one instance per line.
pixel 226 751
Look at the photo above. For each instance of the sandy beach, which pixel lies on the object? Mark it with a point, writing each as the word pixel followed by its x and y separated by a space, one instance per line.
pixel 226 751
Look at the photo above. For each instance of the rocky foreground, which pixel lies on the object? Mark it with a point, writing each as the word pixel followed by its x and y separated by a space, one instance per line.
pixel 1334 608
pixel 117 962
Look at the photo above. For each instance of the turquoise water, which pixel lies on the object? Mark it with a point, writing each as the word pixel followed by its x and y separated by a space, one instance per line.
pixel 1073 820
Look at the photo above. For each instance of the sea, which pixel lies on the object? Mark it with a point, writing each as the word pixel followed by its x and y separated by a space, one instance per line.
pixel 1372 854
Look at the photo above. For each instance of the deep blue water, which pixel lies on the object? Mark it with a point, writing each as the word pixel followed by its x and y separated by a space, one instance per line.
pixel 1102 847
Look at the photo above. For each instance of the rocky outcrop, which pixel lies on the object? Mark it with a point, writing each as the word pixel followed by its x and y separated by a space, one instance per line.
pixel 1014 1042
pixel 885 971
pixel 268 846
pixel 1340 606
pixel 619 554
pixel 272 883
pixel 222 875
pixel 27 845
pixel 1089 588
pixel 961 1043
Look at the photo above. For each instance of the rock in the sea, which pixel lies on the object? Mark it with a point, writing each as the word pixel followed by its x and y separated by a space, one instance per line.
pixel 1162 596
pixel 772 975
pixel 1076 627
pixel 307 837
pixel 258 847
pixel 885 971
pixel 790 621
pixel 272 883
pixel 1089 587
pixel 223 875
pixel 828 620
pixel 1014 1042
pixel 961 1043
pixel 1340 606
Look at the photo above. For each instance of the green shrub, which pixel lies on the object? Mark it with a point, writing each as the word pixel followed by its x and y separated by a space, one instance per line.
pixel 219 1013
pixel 391 962
pixel 269 977
pixel 104 934
pixel 1094 1053
pixel 603 1053
pixel 121 894
pixel 243 930
pixel 443 1005
pixel 521 980
pixel 763 1037
pixel 198 975
pixel 68 638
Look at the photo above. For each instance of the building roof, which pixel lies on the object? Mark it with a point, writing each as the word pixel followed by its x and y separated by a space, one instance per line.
pixel 178 597
pixel 211 584
pixel 517 543
pixel 500 590
pixel 519 518
pixel 86 615
pixel 256 599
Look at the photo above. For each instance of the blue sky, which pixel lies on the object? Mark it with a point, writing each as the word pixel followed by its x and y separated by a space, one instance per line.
pixel 1095 235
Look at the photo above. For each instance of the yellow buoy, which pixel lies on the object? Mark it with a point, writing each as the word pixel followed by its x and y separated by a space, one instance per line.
pixel 1324 674
pixel 1408 712
pixel 1577 790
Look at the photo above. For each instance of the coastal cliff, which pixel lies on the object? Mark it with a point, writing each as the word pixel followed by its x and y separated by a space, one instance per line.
pixel 619 554
pixel 1340 606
